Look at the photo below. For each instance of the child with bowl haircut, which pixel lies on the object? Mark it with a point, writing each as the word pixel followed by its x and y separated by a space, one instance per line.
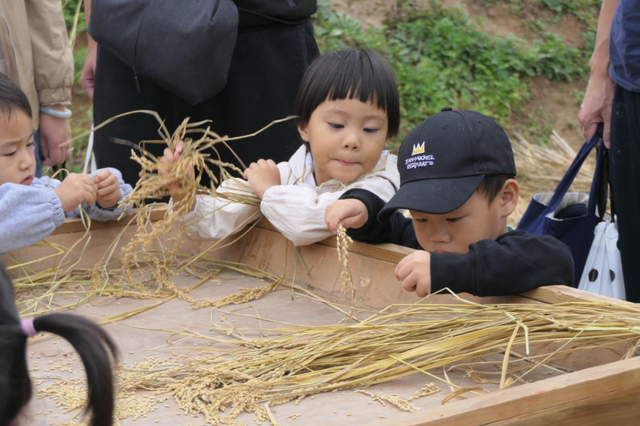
pixel 347 107
pixel 32 208
pixel 456 170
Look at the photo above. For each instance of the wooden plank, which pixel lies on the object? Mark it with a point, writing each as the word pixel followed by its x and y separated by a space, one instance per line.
pixel 387 252
pixel 557 396
pixel 614 387
pixel 390 253
pixel 621 407
pixel 71 225
pixel 562 294
pixel 394 253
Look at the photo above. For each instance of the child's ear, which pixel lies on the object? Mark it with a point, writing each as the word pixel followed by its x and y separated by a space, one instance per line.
pixel 509 195
pixel 302 128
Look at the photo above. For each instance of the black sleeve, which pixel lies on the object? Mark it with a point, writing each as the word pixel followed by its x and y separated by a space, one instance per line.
pixel 514 263
pixel 397 230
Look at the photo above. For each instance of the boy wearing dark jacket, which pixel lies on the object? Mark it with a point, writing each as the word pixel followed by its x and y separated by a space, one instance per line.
pixel 457 180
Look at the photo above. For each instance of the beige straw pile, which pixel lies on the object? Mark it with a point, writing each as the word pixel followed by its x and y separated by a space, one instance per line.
pixel 421 338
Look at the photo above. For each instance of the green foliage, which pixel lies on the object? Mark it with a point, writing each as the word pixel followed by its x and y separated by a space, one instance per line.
pixel 69 8
pixel 552 58
pixel 441 58
pixel 80 123
pixel 539 125
pixel 79 56
pixel 585 10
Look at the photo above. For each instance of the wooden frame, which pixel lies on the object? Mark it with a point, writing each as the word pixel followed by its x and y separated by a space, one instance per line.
pixel 605 394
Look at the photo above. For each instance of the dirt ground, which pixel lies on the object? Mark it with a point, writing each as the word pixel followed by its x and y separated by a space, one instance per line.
pixel 555 100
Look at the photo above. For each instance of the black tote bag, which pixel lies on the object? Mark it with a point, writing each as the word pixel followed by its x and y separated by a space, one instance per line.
pixel 184 46
pixel 575 231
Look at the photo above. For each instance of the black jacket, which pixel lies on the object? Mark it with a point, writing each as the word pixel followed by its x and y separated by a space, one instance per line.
pixel 514 263
pixel 253 13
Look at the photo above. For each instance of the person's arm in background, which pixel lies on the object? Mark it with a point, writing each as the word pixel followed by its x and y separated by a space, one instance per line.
pixel 89 70
pixel 53 71
pixel 598 98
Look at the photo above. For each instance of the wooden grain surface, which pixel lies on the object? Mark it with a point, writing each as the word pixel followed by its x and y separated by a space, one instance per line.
pixel 581 397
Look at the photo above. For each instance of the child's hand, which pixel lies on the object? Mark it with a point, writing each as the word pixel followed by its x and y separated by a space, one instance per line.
pixel 350 213
pixel 74 190
pixel 415 273
pixel 168 158
pixel 108 189
pixel 262 175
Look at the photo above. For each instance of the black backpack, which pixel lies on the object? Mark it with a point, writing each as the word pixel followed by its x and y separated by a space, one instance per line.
pixel 183 46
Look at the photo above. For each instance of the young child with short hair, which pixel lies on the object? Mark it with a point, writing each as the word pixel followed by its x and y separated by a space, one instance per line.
pixel 32 208
pixel 347 107
pixel 457 180
pixel 93 344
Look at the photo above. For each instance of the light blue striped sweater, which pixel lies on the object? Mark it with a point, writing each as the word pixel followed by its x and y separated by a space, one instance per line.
pixel 31 213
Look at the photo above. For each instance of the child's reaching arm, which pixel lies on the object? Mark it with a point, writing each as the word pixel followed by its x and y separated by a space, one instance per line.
pixel 298 212
pixel 357 210
pixel 31 213
pixel 211 217
pixel 214 218
pixel 515 263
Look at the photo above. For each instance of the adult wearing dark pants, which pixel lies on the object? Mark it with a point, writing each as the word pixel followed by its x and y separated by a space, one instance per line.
pixel 613 98
pixel 274 45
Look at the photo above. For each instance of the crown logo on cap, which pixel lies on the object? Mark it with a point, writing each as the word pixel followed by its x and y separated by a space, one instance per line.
pixel 418 149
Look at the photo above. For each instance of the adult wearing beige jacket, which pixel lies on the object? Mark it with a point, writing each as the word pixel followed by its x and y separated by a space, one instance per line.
pixel 35 54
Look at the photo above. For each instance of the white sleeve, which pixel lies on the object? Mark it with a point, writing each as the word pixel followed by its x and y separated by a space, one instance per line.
pixel 298 211
pixel 217 217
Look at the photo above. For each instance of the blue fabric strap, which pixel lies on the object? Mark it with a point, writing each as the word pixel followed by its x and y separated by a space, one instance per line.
pixel 570 175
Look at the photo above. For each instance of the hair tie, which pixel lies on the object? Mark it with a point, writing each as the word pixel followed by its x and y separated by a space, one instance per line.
pixel 27 327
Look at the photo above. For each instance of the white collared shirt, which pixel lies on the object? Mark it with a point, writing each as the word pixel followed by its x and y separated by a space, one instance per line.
pixel 296 207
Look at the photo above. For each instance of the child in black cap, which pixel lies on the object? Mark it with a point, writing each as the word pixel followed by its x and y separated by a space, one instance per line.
pixel 456 171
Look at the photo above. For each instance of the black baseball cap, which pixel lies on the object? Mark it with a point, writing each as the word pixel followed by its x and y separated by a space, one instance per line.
pixel 445 158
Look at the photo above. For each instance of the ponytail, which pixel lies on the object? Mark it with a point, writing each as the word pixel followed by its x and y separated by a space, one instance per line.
pixel 92 343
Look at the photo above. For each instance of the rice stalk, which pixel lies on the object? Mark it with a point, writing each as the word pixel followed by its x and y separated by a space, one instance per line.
pixel 299 361
pixel 343 241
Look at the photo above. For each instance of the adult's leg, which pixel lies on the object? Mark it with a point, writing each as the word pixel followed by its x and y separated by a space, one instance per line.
pixel 115 93
pixel 625 183
pixel 266 69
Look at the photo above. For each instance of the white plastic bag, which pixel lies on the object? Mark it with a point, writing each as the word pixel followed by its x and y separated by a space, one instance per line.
pixel 602 273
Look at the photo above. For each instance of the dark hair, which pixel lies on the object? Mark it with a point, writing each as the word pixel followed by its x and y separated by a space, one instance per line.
pixel 91 342
pixel 491 185
pixel 353 74
pixel 12 97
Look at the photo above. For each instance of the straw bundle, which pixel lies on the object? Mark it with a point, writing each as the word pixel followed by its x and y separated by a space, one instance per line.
pixel 300 361
pixel 342 246
pixel 148 263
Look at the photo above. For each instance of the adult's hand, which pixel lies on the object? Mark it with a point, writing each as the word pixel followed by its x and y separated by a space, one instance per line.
pixel 596 107
pixel 53 133
pixel 598 99
pixel 87 79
